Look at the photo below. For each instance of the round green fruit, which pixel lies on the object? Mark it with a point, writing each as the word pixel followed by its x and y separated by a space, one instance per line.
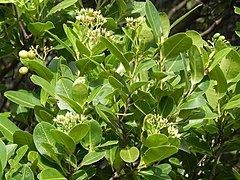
pixel 31 55
pixel 23 54
pixel 216 35
pixel 23 70
pixel 222 38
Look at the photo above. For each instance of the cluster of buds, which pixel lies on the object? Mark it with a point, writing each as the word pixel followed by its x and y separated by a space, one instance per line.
pixel 91 18
pixel 43 51
pixel 66 122
pixel 155 124
pixel 94 34
pixel 134 23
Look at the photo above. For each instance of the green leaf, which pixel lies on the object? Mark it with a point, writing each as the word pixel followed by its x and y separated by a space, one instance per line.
pixel 116 52
pixel 237 10
pixel 155 140
pixel 7 128
pixel 38 67
pixel 194 103
pixel 27 173
pixel 153 19
pixel 155 154
pixel 60 6
pixel 115 82
pixel 23 98
pixel 3 159
pixel 176 44
pixel 218 57
pixel 73 104
pixel 82 48
pixel 62 43
pixel 92 157
pixel 80 92
pixel 230 65
pixel 94 135
pixel 235 172
pixel 196 38
pixel 50 174
pixel 38 28
pixel 78 132
pixel 42 134
pixel 129 154
pixel 43 114
pixel 64 88
pixel 136 85
pixel 65 140
pixel 234 102
pixel 196 65
pixel 184 16
pixel 20 154
pixel 220 81
pixel 165 24
pixel 167 106
pixel 24 138
pixel 108 143
pixel 43 84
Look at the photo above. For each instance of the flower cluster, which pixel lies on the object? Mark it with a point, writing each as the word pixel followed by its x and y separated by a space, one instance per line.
pixel 156 124
pixel 92 23
pixel 66 122
pixel 134 23
pixel 90 18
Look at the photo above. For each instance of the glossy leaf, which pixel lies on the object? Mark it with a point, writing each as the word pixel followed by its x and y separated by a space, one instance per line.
pixel 3 159
pixel 94 135
pixel 230 65
pixel 7 128
pixel 80 92
pixel 155 154
pixel 155 140
pixel 176 44
pixel 196 65
pixel 24 138
pixel 64 140
pixel 50 173
pixel 42 134
pixel 234 102
pixel 218 57
pixel 73 104
pixel 38 67
pixel 129 154
pixel 153 19
pixel 37 28
pixel 115 82
pixel 92 157
pixel 194 103
pixel 220 84
pixel 167 106
pixel 78 132
pixel 60 6
pixel 116 52
pixel 23 98
pixel 184 16
pixel 43 84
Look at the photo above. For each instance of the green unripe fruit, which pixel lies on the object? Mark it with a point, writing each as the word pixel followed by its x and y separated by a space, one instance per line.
pixel 221 38
pixel 31 55
pixel 23 70
pixel 216 35
pixel 23 54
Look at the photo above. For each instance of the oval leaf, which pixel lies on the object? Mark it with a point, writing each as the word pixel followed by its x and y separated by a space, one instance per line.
pixel 129 155
pixel 64 140
pixel 50 173
pixel 92 157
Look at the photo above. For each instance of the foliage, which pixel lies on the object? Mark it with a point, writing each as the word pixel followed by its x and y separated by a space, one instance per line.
pixel 122 98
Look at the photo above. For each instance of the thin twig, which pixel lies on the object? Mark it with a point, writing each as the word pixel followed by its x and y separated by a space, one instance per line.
pixel 176 8
pixel 212 27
